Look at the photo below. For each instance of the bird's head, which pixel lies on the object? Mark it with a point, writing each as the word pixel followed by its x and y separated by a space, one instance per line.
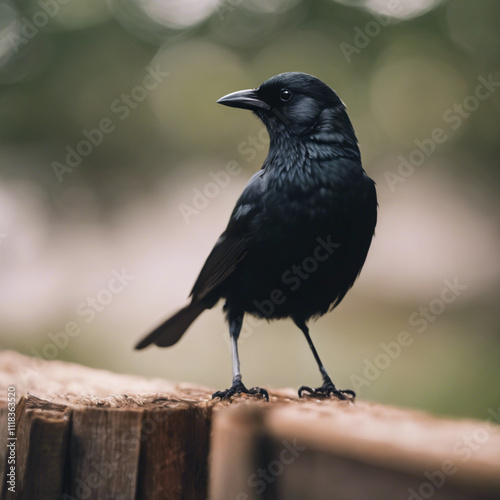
pixel 294 103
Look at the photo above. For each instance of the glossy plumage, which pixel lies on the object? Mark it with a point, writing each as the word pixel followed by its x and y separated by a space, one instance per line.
pixel 300 231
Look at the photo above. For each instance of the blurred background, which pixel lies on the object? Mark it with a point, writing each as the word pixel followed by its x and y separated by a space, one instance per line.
pixel 118 172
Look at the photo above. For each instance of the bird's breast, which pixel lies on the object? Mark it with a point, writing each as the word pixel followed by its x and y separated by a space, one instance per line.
pixel 308 191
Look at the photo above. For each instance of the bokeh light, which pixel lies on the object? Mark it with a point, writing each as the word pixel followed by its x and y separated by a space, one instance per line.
pixel 149 73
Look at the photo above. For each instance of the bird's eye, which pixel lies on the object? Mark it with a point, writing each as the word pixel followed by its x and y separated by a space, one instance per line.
pixel 285 95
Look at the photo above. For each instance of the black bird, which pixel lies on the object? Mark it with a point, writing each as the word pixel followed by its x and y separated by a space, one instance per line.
pixel 300 231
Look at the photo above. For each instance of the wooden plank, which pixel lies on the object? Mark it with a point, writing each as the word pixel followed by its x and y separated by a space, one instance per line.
pixel 128 448
pixel 87 433
pixel 237 440
pixel 39 451
pixel 46 459
pixel 174 453
pixel 104 453
pixel 337 450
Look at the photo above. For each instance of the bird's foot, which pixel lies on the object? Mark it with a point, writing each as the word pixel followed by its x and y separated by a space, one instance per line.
pixel 239 388
pixel 326 390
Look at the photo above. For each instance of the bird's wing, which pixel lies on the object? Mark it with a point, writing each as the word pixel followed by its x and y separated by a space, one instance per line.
pixel 233 244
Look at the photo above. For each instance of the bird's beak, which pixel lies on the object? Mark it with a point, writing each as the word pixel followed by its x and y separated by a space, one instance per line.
pixel 246 99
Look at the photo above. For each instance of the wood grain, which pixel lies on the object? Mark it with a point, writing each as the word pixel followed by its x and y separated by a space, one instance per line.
pixel 91 434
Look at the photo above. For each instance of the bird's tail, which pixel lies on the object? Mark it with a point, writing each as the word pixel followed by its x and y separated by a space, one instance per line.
pixel 171 331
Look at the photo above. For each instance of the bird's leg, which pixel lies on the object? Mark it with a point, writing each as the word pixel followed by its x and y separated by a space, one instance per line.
pixel 328 388
pixel 237 386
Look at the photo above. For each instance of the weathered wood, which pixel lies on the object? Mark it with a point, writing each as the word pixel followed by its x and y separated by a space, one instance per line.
pixel 104 453
pixel 85 433
pixel 182 473
pixel 81 435
pixel 42 457
pixel 343 451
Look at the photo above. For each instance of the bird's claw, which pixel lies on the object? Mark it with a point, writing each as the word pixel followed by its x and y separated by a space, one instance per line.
pixel 327 390
pixel 239 388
